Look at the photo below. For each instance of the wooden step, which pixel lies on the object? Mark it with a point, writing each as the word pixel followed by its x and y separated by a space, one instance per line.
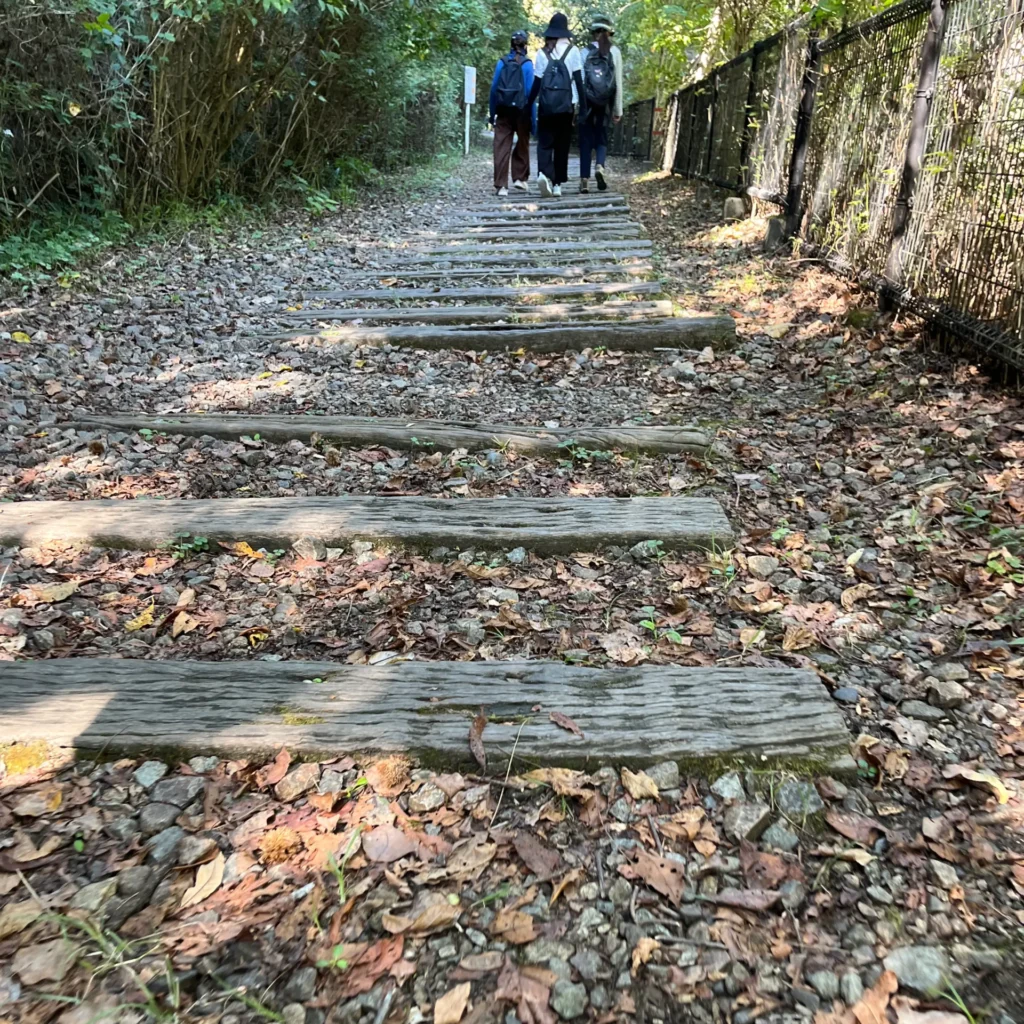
pixel 477 292
pixel 520 227
pixel 570 272
pixel 534 235
pixel 526 259
pixel 411 434
pixel 536 213
pixel 633 244
pixel 548 525
pixel 629 336
pixel 624 310
pixel 765 717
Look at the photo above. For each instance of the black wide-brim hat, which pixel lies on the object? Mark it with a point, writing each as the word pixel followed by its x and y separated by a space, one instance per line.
pixel 558 27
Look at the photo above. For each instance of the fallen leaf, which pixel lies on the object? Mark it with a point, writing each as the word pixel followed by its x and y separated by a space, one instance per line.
pixel 528 993
pixel 639 785
pixel 271 774
pixel 569 878
pixel 25 852
pixel 16 917
pixel 748 899
pixel 513 926
pixel 796 638
pixel 870 1008
pixel 483 963
pixel 387 843
pixel 564 781
pixel 984 779
pixel 208 879
pixel 438 917
pixel 476 738
pixel 452 1005
pixel 183 623
pixel 762 870
pixel 858 827
pixel 43 801
pixel 662 875
pixel 241 548
pixel 469 858
pixel 907 1014
pixel 856 593
pixel 643 952
pixel 541 859
pixel 55 593
pixel 565 722
pixel 143 619
pixel 46 961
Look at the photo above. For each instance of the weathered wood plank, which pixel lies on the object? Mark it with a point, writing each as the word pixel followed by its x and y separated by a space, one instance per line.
pixel 523 259
pixel 630 336
pixel 482 292
pixel 520 226
pixel 624 310
pixel 520 214
pixel 519 234
pixel 642 244
pixel 550 525
pixel 238 708
pixel 566 272
pixel 414 434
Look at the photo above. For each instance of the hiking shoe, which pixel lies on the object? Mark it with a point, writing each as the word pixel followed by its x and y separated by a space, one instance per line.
pixel 584 185
pixel 544 184
pixel 557 190
pixel 502 191
pixel 521 185
pixel 602 184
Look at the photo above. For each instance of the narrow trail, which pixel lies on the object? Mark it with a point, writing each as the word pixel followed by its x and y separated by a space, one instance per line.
pixel 528 490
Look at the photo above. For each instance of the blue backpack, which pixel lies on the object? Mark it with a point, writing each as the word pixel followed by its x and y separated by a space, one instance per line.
pixel 510 93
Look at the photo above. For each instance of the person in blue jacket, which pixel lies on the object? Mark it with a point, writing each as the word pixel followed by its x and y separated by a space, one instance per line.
pixel 510 115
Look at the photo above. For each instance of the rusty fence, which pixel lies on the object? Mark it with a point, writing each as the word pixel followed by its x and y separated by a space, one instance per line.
pixel 894 149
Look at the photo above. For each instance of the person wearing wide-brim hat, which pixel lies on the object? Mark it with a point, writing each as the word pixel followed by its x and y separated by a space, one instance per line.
pixel 558 91
pixel 602 87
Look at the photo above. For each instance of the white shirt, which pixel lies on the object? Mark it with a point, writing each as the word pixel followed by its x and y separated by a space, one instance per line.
pixel 573 62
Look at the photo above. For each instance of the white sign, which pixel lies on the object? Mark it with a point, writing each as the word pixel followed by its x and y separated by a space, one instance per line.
pixel 469 86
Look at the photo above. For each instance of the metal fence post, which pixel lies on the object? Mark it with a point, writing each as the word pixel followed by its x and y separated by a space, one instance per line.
pixel 802 138
pixel 931 52
pixel 747 116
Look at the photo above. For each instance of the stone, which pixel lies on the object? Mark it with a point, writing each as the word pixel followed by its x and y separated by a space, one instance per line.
pixel 287 610
pixel 977 959
pixel 798 800
pixel 921 969
pixel 880 895
pixel 588 963
pixel 777 836
pixel 776 233
pixel 747 820
pixel 851 988
pixel 665 775
pixel 179 791
pixel 156 817
pixel 620 892
pixel 925 712
pixel 734 208
pixel 301 986
pixel 825 983
pixel 92 898
pixel 729 787
pixel 196 850
pixel 805 997
pixel 314 549
pixel 951 672
pixel 541 950
pixel 427 798
pixel 945 693
pixel 943 873
pixel 149 773
pixel 472 629
pixel 292 1013
pixel 134 880
pixel 517 556
pixel 568 1000
pixel 122 828
pixel 203 765
pixel 298 781
pixel 793 894
pixel 846 695
pixel 762 566
pixel 163 847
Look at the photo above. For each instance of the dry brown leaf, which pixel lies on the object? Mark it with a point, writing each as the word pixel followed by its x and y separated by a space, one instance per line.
pixel 513 926
pixel 46 961
pixel 984 779
pixel 469 858
pixel 24 851
pixel 796 638
pixel 273 773
pixel 476 738
pixel 55 593
pixel 42 801
pixel 565 722
pixel 856 593
pixel 661 874
pixel 748 899
pixel 858 827
pixel 643 952
pixel 541 859
pixel 452 1005
pixel 16 917
pixel 762 870
pixel 906 1013
pixel 387 843
pixel 870 1008
pixel 208 879
pixel 639 785
pixel 143 619
pixel 564 781
pixel 569 878
pixel 183 623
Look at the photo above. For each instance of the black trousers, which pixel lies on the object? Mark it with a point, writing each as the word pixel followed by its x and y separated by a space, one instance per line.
pixel 554 135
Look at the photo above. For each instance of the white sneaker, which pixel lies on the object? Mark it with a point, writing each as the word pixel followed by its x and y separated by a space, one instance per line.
pixel 544 184
pixel 502 191
pixel 521 185
pixel 602 184
pixel 557 190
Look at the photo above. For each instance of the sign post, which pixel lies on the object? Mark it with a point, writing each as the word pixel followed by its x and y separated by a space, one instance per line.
pixel 468 97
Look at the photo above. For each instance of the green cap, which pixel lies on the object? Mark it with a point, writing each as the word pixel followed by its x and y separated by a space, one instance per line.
pixel 601 23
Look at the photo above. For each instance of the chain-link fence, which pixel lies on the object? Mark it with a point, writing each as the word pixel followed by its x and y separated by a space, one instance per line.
pixel 895 149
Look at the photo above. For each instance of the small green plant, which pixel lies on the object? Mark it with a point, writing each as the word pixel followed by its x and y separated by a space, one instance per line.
pixel 577 453
pixel 338 870
pixel 186 545
pixel 418 443
pixel 499 894
pixel 952 996
pixel 335 961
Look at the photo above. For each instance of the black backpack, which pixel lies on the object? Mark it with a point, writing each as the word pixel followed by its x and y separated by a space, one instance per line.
pixel 511 91
pixel 598 77
pixel 555 88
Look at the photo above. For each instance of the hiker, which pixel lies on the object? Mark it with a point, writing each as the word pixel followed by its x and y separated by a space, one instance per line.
pixel 602 86
pixel 510 115
pixel 558 90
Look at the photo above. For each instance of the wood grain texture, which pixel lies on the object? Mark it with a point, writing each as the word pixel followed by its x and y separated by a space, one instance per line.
pixel 611 257
pixel 480 292
pixel 623 310
pixel 628 716
pixel 444 435
pixel 548 525
pixel 592 270
pixel 513 233
pixel 520 214
pixel 629 336
pixel 611 244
